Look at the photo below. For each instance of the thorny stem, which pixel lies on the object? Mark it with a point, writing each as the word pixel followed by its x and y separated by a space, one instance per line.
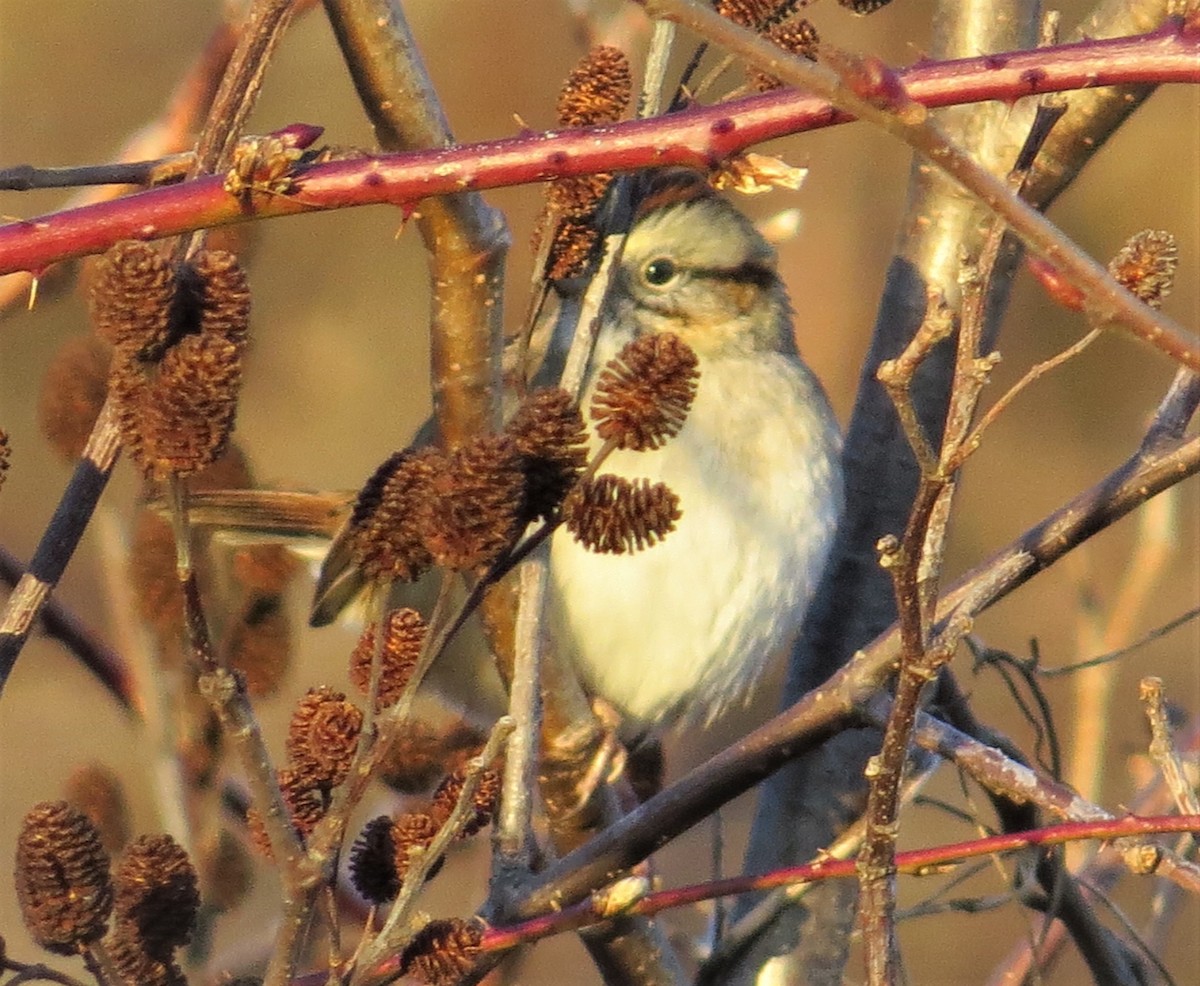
pixel 875 93
pixel 694 138
pixel 188 104
pixel 916 862
pixel 747 927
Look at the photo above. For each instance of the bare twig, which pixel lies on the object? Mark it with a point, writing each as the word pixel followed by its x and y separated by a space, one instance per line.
pixel 916 862
pixel 1162 749
pixel 394 933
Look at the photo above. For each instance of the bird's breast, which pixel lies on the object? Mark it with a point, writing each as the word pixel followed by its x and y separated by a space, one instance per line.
pixel 679 630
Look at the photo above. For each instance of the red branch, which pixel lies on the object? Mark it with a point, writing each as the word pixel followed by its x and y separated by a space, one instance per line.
pixel 699 137
pixel 917 861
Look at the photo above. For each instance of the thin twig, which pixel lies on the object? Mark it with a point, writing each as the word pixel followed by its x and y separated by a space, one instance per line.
pixel 1162 749
pixel 394 933
pixel 916 862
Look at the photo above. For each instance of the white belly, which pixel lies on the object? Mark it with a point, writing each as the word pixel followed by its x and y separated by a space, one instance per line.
pixel 677 631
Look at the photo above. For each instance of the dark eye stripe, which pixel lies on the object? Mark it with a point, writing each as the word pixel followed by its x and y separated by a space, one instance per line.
pixel 747 273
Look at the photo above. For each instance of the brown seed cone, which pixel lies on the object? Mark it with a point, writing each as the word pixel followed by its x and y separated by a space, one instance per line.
pixel 135 964
pixel 421 754
pixel 62 881
pixel 128 386
pixel 644 392
pixel 795 35
pixel 442 952
pixel 387 540
pixel 473 514
pixel 597 90
pixel 323 736
pixel 224 295
pixel 133 291
pixel 487 796
pixel 404 634
pixel 614 515
pixel 752 14
pixel 97 792
pixel 577 195
pixel 259 645
pixel 864 6
pixel 1146 264
pixel 571 252
pixel 73 391
pixel 305 802
pixel 156 893
pixel 373 862
pixel 550 436
pixel 187 412
pixel 411 831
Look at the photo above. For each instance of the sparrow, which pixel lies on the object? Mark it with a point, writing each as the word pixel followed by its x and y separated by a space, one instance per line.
pixel 677 632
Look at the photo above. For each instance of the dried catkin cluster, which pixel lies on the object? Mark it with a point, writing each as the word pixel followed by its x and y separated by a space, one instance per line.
pixel 384 851
pixel 66 894
pixel 156 899
pixel 778 22
pixel 464 509
pixel 323 736
pixel 386 534
pixel 474 513
pixel 614 515
pixel 179 338
pixel 643 394
pixel 550 435
pixel 596 92
pixel 1146 265
pixel 321 742
pixel 796 36
pixel 404 633
pixel 63 884
pixel 305 800
pixel 443 951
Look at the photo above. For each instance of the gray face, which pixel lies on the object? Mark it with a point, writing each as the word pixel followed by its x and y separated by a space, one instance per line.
pixel 698 268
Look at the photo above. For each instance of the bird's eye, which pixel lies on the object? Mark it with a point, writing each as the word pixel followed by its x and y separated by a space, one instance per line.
pixel 659 272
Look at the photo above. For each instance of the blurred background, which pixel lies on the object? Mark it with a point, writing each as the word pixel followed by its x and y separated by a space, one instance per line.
pixel 338 378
